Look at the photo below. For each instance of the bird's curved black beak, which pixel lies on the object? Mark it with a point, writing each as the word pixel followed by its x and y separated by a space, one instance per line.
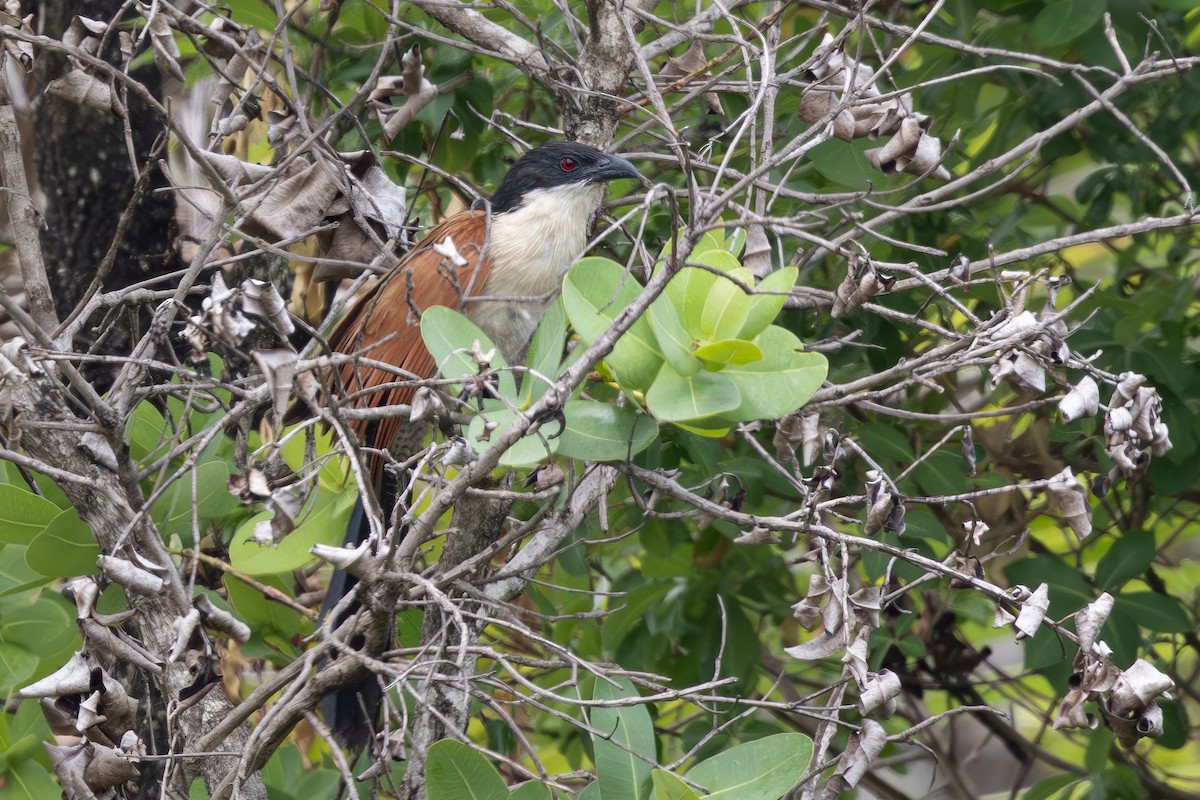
pixel 611 168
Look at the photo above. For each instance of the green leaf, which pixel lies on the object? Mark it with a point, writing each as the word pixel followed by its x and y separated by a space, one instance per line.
pixel 323 523
pixel 729 351
pixel 172 512
pixel 65 548
pixel 1045 789
pixel 16 575
pixel 146 432
pixel 669 786
pixel 450 338
pixel 718 258
pixel 844 163
pixel 678 398
pixel 532 790
pixel 28 780
pixel 782 381
pixel 627 731
pixel 766 306
pixel 1098 746
pixel 254 13
pixel 1153 611
pixel 602 432
pixel 265 617
pixel 17 663
pixel 1061 22
pixel 760 770
pixel 595 292
pixel 885 443
pixel 455 771
pixel 688 292
pixel 736 242
pixel 23 514
pixel 727 306
pixel 545 353
pixel 493 421
pixel 672 337
pixel 1129 556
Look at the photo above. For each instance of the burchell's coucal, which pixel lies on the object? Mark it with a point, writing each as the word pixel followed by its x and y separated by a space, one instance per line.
pixel 499 266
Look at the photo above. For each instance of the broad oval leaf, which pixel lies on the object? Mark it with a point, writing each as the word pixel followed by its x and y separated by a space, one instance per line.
pixel 1160 613
pixel 602 432
pixel 682 398
pixel 727 306
pixel 760 770
pixel 325 523
pixel 65 548
pixel 669 786
pixel 545 353
pixel 595 292
pixel 172 512
pixel 450 337
pixel 531 790
pixel 455 771
pixel 688 291
pixel 15 574
pixel 729 351
pixel 672 337
pixel 1128 557
pixel 782 381
pixel 773 294
pixel 268 619
pixel 528 450
pixel 23 514
pixel 627 730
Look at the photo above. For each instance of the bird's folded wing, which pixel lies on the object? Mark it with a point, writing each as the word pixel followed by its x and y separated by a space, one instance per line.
pixel 445 268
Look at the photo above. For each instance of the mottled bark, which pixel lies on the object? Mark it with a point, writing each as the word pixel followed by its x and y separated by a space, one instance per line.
pixel 86 176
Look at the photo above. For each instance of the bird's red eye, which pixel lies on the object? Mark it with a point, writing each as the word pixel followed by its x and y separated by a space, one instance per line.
pixel 568 164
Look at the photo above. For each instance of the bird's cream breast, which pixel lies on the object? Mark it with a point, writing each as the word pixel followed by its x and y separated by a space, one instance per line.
pixel 530 249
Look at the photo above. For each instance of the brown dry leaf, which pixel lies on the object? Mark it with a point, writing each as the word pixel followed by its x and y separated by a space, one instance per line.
pixel 410 84
pixel 1033 612
pixel 278 367
pixel 1072 502
pixel 757 255
pixel 879 694
pixel 162 42
pixel 968 451
pixel 693 62
pixel 84 89
pixel 879 503
pixel 911 149
pixel 1091 619
pixel 863 747
pixel 21 52
pixel 808 611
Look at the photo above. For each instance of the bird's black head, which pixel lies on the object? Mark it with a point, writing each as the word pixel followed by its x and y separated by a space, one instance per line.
pixel 558 164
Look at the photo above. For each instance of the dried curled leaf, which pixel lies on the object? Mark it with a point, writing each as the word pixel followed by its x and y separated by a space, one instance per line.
pixel 411 84
pixel 1082 401
pixel 843 94
pixel 1033 612
pixel 693 62
pixel 1072 502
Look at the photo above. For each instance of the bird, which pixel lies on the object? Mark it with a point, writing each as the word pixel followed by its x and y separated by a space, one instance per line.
pixel 499 265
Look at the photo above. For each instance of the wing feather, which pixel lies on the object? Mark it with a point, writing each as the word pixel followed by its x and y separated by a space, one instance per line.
pixel 383 326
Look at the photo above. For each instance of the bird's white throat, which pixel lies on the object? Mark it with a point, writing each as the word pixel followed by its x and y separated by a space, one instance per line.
pixel 531 247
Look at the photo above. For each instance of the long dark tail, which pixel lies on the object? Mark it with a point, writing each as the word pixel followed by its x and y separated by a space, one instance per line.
pixel 352 712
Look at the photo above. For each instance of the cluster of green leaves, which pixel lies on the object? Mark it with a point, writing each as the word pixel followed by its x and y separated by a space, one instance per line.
pixel 705 356
pixel 623 743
